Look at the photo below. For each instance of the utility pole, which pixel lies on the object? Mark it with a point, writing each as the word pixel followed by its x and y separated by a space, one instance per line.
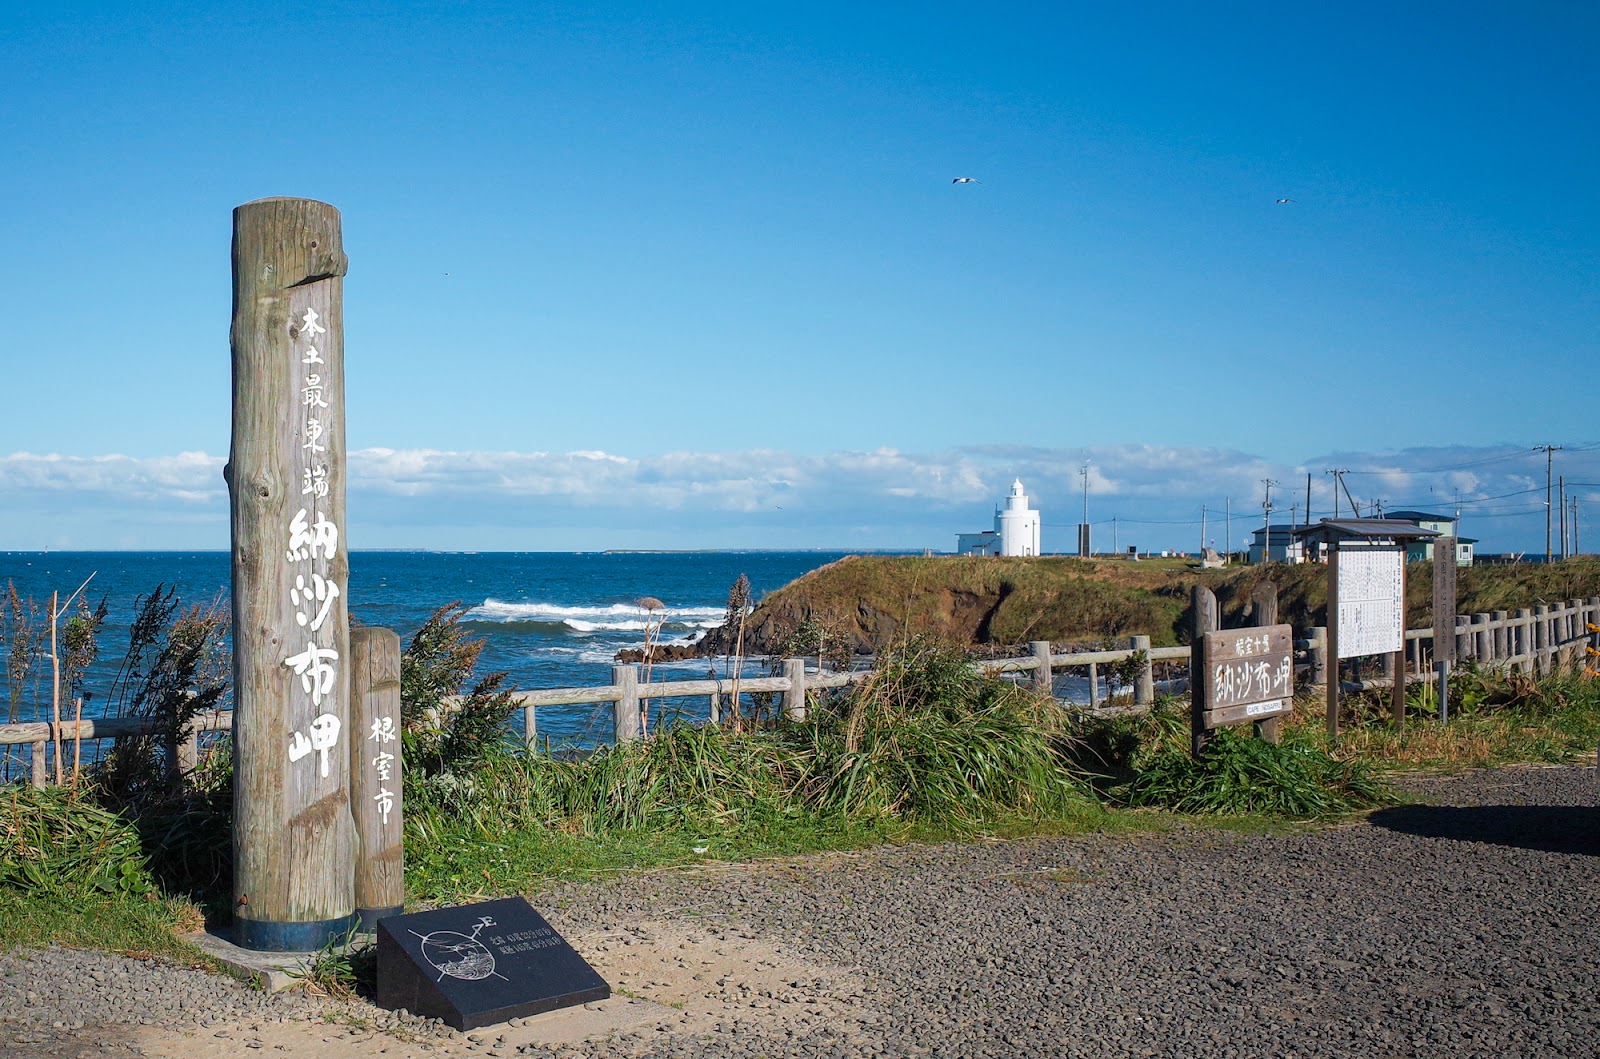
pixel 1266 520
pixel 1227 556
pixel 1561 492
pixel 1308 498
pixel 1337 483
pixel 1202 532
pixel 1084 549
pixel 1116 548
pixel 1549 458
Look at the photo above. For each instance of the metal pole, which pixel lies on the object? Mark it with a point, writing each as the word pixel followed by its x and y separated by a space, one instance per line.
pixel 1443 670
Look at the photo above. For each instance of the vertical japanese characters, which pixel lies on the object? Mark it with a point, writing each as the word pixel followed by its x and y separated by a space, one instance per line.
pixel 382 733
pixel 312 545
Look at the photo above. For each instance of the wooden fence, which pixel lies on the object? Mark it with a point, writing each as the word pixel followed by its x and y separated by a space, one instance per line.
pixel 1542 640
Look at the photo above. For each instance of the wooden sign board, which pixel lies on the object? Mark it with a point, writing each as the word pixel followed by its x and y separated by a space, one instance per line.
pixel 480 965
pixel 1249 675
pixel 1444 599
pixel 1371 600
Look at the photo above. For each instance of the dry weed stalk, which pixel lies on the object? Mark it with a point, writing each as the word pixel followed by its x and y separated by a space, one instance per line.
pixel 654 617
pixel 733 664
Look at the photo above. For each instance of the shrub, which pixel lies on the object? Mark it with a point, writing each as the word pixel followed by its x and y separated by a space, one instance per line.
pixel 1242 774
pixel 446 730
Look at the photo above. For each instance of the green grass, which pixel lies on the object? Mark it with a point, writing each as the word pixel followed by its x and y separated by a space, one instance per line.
pixel 1495 719
pixel 926 751
pixel 135 926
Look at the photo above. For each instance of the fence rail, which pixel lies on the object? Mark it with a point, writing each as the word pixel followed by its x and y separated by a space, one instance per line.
pixel 1540 640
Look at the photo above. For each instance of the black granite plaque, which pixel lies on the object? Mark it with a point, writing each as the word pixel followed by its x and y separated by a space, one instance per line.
pixel 478 965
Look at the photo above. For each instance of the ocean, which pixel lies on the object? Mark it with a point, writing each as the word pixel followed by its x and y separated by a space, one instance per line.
pixel 550 619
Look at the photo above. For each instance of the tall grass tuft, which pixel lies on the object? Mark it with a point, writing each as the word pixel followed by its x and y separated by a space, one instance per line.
pixel 928 737
pixel 1242 774
pixel 55 840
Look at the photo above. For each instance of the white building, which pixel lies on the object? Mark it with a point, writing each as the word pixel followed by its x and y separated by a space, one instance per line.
pixel 1016 529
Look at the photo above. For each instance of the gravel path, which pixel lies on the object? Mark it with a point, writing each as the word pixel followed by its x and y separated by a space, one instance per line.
pixel 1463 927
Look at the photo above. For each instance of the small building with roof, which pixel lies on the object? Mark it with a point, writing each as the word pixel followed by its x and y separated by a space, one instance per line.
pixel 1016 529
pixel 1421 550
pixel 1314 539
pixel 1276 544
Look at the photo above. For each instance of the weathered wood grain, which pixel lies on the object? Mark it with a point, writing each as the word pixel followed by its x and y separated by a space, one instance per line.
pixel 375 779
pixel 294 839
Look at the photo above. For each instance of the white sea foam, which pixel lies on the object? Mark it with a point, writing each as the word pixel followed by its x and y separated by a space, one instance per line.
pixel 611 617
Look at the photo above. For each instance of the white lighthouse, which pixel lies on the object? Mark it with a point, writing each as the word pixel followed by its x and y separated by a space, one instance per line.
pixel 1016 529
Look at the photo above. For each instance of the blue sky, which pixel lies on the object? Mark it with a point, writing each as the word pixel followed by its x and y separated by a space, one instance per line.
pixel 696 274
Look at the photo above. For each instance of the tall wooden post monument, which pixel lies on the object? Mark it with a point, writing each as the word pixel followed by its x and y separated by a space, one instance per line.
pixel 294 834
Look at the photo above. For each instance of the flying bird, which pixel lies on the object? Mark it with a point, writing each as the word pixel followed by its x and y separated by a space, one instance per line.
pixel 1282 201
pixel 966 180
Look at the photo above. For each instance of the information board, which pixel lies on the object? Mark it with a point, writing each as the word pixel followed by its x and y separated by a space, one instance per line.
pixel 1249 675
pixel 1371 604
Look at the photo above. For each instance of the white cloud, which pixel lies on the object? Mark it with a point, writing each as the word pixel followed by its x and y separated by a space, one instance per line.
pixel 764 497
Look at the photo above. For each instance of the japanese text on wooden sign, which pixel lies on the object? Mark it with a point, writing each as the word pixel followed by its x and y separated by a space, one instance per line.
pixel 312 544
pixel 1371 617
pixel 1249 674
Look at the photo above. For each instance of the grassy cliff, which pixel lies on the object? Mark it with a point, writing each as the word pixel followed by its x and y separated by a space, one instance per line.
pixel 873 600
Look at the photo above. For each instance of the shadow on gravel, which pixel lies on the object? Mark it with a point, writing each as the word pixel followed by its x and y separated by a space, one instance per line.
pixel 1548 828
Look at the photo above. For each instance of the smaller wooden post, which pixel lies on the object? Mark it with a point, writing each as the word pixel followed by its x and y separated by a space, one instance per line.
pixel 1144 684
pixel 375 780
pixel 1043 678
pixel 1541 638
pixel 1204 604
pixel 1317 655
pixel 794 699
pixel 1523 648
pixel 39 763
pixel 530 727
pixel 1094 686
pixel 1464 644
pixel 1483 638
pixel 189 749
pixel 628 722
pixel 1502 641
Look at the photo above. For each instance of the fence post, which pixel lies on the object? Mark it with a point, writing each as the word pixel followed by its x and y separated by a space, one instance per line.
pixel 1502 641
pixel 794 699
pixel 1204 605
pixel 1524 639
pixel 1541 638
pixel 627 720
pixel 39 763
pixel 530 727
pixel 294 839
pixel 189 748
pixel 1043 678
pixel 1094 686
pixel 1318 652
pixel 1464 642
pixel 1144 685
pixel 376 783
pixel 1483 650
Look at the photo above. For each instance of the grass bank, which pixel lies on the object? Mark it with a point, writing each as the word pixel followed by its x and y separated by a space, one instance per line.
pixel 870 601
